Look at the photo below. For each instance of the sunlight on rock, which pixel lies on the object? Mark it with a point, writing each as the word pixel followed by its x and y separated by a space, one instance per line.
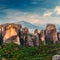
pixel 11 35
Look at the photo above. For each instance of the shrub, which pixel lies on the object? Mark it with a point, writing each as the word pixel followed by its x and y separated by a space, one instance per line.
pixel 15 52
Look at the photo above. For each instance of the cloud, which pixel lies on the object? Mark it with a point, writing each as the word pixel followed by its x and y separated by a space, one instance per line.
pixel 16 16
pixel 57 10
pixel 47 13
pixel 52 12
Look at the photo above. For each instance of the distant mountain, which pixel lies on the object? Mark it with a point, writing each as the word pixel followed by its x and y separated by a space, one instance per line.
pixel 34 26
pixel 29 25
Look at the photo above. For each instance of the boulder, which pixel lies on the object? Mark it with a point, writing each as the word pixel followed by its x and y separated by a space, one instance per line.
pixel 56 57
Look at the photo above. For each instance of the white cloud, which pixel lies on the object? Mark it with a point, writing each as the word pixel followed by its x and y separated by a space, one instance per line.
pixel 47 13
pixel 15 16
pixel 57 10
pixel 54 12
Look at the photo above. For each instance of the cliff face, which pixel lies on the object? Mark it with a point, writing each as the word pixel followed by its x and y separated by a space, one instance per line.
pixel 10 34
pixel 42 36
pixel 51 32
pixel 58 36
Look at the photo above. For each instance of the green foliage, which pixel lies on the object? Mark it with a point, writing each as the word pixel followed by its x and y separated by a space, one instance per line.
pixel 15 52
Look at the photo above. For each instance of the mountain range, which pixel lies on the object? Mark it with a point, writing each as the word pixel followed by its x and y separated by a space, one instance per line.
pixel 29 25
pixel 33 26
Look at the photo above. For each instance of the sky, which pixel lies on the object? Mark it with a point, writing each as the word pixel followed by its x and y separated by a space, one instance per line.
pixel 33 11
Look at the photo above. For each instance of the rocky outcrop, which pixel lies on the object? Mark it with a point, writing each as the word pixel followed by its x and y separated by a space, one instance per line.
pixel 28 39
pixel 2 29
pixel 58 36
pixel 10 34
pixel 16 34
pixel 51 33
pixel 36 38
pixel 42 36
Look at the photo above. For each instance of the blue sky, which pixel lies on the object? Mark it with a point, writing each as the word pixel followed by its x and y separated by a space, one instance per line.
pixel 33 11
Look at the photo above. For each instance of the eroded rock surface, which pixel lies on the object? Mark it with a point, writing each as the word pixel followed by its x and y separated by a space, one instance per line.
pixel 51 33
pixel 10 34
pixel 42 36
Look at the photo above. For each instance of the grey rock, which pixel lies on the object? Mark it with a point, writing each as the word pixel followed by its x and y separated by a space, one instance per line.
pixel 56 57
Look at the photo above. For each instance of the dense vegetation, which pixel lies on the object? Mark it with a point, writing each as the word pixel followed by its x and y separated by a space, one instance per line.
pixel 14 52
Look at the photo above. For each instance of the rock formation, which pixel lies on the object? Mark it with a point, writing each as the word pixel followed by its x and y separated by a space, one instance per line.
pixel 58 36
pixel 36 38
pixel 1 34
pixel 16 34
pixel 10 34
pixel 51 33
pixel 42 36
pixel 29 39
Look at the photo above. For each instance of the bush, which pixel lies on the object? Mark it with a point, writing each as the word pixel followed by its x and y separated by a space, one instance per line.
pixel 15 52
